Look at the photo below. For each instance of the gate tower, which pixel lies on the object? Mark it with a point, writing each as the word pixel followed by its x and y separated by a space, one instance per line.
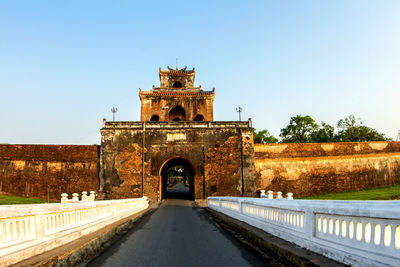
pixel 177 130
pixel 177 99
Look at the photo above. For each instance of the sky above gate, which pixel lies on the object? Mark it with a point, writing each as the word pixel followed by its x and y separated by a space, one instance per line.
pixel 65 64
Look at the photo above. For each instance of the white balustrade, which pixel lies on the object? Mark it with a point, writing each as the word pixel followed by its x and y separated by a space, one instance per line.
pixel 28 230
pixel 230 205
pixel 359 233
pixel 278 195
pixel 75 197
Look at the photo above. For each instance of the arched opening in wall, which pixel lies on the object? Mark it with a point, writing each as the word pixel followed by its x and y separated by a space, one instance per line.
pixel 177 113
pixel 177 85
pixel 199 118
pixel 177 179
pixel 155 118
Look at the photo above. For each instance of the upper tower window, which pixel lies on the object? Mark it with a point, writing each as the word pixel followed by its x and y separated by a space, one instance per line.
pixel 199 118
pixel 177 78
pixel 155 118
pixel 177 85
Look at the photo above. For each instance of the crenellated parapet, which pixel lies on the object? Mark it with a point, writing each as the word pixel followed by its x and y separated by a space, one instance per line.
pixel 107 125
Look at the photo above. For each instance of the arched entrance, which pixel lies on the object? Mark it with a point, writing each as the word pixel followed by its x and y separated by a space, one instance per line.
pixel 177 179
pixel 177 113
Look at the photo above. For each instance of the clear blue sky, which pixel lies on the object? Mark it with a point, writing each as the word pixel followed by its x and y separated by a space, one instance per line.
pixel 64 64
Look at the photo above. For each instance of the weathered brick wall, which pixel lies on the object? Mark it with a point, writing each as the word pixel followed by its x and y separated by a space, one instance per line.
pixel 124 157
pixel 46 171
pixel 308 169
pixel 223 167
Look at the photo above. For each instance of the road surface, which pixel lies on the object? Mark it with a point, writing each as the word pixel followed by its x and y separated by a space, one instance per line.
pixel 177 234
pixel 178 188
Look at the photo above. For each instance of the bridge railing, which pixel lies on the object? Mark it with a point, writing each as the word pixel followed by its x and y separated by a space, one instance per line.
pixel 360 233
pixel 28 230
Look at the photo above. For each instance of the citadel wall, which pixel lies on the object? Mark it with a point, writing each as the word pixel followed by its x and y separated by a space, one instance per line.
pixel 315 168
pixel 46 171
pixel 304 169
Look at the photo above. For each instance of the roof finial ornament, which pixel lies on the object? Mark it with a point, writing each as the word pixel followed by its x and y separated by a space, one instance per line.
pixel 176 63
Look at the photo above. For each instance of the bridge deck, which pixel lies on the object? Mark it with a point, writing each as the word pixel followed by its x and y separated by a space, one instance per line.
pixel 177 234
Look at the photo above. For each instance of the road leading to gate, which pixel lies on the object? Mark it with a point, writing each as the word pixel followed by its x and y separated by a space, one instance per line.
pixel 177 234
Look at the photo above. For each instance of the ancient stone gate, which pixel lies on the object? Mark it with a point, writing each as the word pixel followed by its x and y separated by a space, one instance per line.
pixel 177 129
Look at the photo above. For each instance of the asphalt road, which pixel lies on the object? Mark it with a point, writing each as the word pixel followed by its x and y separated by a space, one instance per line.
pixel 177 234
pixel 178 188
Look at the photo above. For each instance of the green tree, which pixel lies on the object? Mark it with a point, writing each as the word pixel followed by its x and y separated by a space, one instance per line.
pixel 264 137
pixel 175 171
pixel 325 133
pixel 299 130
pixel 353 130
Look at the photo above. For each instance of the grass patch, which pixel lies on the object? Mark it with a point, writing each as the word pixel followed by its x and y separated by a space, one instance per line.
pixel 7 199
pixel 384 193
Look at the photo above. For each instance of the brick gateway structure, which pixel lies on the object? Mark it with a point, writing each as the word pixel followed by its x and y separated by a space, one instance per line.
pixel 217 158
pixel 177 129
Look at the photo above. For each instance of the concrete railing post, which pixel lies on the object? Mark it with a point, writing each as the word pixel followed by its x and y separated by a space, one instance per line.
pixel 289 196
pixel 92 196
pixel 240 206
pixel 279 195
pixel 84 196
pixel 40 226
pixel 75 197
pixel 270 194
pixel 262 193
pixel 64 198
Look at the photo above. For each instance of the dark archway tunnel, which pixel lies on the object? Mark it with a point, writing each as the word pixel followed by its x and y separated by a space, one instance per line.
pixel 177 179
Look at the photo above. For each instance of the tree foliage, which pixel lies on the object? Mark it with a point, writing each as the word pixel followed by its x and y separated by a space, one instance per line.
pixel 175 171
pixel 303 129
pixel 325 133
pixel 264 137
pixel 353 130
pixel 299 130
